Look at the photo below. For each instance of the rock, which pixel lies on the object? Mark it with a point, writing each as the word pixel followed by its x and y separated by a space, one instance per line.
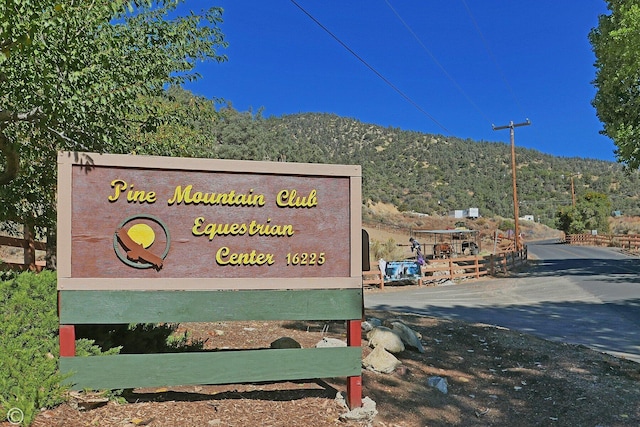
pixel 439 383
pixel 384 337
pixel 408 336
pixel 285 342
pixel 366 413
pixel 330 342
pixel 402 371
pixel 366 326
pixel 87 400
pixel 380 360
pixel 370 323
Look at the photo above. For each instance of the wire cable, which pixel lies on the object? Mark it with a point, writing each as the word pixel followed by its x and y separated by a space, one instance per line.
pixel 446 73
pixel 492 56
pixel 383 78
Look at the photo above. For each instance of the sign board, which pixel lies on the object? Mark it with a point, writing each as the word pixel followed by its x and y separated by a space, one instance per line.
pixel 248 240
pixel 155 223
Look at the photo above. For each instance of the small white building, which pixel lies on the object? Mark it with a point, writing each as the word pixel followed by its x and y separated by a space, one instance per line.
pixel 472 213
pixel 465 213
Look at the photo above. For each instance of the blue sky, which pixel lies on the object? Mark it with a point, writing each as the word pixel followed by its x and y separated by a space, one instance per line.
pixel 460 65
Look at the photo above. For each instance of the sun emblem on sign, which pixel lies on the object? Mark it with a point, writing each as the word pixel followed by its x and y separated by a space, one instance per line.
pixel 134 242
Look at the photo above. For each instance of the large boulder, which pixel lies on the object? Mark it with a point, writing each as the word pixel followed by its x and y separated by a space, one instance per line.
pixel 386 338
pixel 408 336
pixel 380 360
pixel 285 342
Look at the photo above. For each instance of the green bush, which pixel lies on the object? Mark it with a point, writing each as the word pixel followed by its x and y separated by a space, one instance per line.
pixel 29 346
pixel 139 338
pixel 506 225
pixel 29 378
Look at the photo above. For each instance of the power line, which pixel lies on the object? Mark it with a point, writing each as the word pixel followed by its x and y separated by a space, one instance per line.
pixel 493 58
pixel 383 78
pixel 446 73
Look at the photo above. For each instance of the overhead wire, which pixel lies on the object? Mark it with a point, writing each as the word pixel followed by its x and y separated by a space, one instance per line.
pixel 370 67
pixel 448 75
pixel 435 60
pixel 500 72
pixel 492 56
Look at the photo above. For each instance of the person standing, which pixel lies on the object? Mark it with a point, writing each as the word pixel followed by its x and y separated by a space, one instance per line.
pixel 415 247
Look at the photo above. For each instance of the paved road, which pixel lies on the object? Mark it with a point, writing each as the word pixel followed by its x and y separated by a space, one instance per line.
pixel 574 294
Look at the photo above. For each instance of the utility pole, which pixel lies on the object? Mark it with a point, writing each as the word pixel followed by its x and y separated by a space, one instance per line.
pixel 573 188
pixel 511 126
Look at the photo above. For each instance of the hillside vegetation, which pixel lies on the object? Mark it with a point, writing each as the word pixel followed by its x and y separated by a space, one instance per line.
pixel 434 174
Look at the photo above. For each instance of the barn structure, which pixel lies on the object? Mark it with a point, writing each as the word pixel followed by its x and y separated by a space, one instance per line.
pixel 448 243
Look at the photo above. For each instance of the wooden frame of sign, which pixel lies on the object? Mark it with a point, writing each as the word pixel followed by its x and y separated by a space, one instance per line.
pixel 145 239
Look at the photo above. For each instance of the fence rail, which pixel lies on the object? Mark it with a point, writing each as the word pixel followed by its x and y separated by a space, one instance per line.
pixel 459 268
pixel 29 246
pixel 630 242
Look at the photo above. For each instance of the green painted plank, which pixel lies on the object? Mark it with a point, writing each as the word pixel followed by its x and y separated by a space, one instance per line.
pixel 223 367
pixel 78 307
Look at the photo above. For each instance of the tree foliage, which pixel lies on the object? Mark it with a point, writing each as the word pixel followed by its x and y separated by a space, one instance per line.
pixel 590 213
pixel 76 75
pixel 616 44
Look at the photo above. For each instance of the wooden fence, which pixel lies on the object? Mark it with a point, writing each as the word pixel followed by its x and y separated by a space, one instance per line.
pixel 630 242
pixel 29 246
pixel 469 267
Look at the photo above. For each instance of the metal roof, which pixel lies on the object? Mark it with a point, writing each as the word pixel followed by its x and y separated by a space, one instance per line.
pixel 445 231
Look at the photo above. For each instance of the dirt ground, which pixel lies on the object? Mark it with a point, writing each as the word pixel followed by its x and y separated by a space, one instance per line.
pixel 495 377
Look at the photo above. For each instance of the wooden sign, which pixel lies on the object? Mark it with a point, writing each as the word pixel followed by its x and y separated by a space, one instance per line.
pixel 214 224
pixel 248 240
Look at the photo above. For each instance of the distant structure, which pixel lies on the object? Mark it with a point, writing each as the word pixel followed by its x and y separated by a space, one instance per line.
pixel 471 213
pixel 528 218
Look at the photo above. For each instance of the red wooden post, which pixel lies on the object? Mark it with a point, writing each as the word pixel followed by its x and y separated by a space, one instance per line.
pixel 354 384
pixel 67 340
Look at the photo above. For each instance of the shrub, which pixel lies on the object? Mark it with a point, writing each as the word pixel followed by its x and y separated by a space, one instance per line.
pixel 506 224
pixel 29 378
pixel 386 250
pixel 29 346
pixel 139 338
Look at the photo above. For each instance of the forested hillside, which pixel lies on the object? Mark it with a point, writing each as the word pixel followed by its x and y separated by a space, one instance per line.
pixel 434 174
pixel 419 172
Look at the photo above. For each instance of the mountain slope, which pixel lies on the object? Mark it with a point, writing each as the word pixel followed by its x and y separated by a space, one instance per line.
pixel 434 174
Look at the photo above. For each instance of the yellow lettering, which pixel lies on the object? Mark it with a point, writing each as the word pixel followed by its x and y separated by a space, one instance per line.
pixel 270 230
pixel 137 196
pixel 195 230
pixel 224 256
pixel 179 195
pixel 213 230
pixel 231 198
pixel 290 199
pixel 118 186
